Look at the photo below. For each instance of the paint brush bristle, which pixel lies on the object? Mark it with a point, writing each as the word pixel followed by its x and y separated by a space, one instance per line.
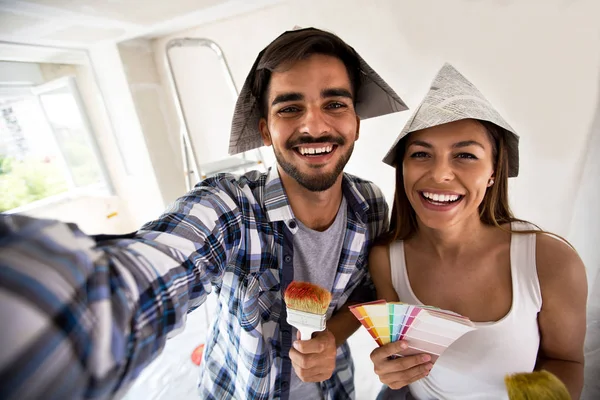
pixel 538 385
pixel 307 297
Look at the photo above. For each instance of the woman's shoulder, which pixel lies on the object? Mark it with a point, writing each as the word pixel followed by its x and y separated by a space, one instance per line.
pixel 558 264
pixel 554 252
pixel 380 252
pixel 379 259
pixel 381 272
pixel 554 255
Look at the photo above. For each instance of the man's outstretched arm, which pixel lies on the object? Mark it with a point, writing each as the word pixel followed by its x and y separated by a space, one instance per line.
pixel 80 319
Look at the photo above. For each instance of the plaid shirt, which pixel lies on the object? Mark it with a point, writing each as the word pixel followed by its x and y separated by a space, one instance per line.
pixel 81 319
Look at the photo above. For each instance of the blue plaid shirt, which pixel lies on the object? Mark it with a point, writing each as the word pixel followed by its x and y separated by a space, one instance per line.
pixel 81 318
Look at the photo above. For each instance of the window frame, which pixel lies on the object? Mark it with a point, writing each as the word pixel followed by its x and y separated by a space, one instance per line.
pixel 99 189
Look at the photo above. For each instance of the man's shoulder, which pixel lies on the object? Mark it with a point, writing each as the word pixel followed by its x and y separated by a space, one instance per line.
pixel 376 211
pixel 369 190
pixel 249 184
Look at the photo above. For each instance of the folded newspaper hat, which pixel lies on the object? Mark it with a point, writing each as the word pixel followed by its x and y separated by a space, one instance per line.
pixel 452 97
pixel 375 98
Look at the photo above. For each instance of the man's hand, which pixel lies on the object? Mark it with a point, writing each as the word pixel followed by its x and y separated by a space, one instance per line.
pixel 399 372
pixel 314 359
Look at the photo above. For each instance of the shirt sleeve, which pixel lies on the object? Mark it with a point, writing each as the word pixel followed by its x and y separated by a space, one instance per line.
pixel 80 318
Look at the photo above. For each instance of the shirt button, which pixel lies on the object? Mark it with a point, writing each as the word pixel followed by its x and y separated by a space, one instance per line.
pixel 292 224
pixel 285 385
pixel 287 258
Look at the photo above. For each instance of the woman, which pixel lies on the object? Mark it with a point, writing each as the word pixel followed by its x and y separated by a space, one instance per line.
pixel 454 244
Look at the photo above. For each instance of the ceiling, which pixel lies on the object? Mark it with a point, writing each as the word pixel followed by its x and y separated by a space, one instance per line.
pixel 82 23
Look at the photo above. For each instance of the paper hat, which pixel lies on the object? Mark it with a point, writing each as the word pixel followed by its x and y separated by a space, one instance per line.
pixel 375 98
pixel 452 97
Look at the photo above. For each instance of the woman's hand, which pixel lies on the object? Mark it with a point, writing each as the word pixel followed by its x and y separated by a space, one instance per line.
pixel 401 371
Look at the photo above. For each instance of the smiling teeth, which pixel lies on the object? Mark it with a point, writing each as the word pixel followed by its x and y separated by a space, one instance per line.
pixel 311 150
pixel 442 198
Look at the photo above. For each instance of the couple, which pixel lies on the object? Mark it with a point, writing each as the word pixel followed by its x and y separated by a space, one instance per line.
pixel 83 316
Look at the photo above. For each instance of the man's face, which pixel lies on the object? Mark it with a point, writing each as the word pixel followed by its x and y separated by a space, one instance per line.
pixel 311 122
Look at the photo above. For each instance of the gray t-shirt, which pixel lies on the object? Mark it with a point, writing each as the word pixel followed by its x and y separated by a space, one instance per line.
pixel 316 258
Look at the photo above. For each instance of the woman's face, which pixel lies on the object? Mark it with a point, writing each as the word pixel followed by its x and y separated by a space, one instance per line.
pixel 447 170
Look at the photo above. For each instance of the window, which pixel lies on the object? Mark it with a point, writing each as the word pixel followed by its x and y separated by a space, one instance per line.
pixel 46 145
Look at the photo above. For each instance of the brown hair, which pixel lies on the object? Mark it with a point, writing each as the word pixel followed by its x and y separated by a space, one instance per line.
pixel 298 45
pixel 494 209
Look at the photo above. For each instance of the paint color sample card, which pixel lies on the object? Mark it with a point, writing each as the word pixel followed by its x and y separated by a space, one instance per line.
pixel 426 329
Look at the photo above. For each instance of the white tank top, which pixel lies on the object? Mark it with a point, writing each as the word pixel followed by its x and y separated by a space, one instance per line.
pixel 475 365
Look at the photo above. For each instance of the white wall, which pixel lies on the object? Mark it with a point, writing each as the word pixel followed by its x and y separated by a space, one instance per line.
pixel 537 61
pixel 18 73
pixel 150 99
pixel 585 223
pixel 134 179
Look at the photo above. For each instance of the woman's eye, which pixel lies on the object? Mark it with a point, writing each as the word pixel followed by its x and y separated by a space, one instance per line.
pixel 419 154
pixel 468 156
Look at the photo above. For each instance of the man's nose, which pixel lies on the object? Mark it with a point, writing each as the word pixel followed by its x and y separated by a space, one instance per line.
pixel 315 122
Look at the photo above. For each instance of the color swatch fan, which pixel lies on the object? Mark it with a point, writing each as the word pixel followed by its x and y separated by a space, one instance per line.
pixel 426 329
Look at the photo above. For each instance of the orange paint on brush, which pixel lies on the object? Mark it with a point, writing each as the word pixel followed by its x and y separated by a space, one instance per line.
pixel 307 297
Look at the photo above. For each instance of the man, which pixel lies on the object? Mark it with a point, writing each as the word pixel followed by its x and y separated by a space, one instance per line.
pixel 86 317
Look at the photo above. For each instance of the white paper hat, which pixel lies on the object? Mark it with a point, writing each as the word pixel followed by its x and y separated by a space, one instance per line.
pixel 375 98
pixel 452 97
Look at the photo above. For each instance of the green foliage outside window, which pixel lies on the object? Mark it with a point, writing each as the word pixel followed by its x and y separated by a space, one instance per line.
pixel 22 182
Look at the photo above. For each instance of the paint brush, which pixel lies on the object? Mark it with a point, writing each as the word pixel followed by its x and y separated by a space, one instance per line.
pixel 538 385
pixel 307 306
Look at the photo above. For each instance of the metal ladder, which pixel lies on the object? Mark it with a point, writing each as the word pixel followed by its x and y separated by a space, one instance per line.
pixel 194 171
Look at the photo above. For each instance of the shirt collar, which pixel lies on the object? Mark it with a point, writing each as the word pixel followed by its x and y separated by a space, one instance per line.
pixel 276 201
pixel 278 207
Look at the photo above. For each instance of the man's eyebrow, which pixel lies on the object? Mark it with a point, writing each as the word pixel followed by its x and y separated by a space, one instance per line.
pixel 285 97
pixel 336 92
pixel 467 143
pixel 294 96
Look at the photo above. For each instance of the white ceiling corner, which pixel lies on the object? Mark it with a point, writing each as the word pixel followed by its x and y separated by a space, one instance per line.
pixel 84 23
